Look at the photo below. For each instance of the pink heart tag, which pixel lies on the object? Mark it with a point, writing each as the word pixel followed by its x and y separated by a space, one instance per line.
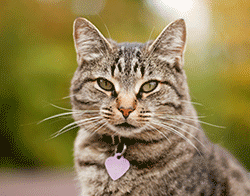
pixel 117 167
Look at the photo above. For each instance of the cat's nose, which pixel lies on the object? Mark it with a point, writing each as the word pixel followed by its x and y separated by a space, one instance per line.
pixel 125 111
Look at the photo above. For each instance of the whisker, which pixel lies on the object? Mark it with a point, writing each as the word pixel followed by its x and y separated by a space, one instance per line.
pixel 79 121
pixel 68 96
pixel 152 50
pixel 159 132
pixel 184 123
pixel 195 103
pixel 195 120
pixel 60 107
pixel 105 26
pixel 99 128
pixel 179 134
pixel 68 113
pixel 163 113
pixel 89 122
pixel 57 115
pixel 54 135
pixel 62 131
pixel 185 132
pixel 150 38
pixel 93 125
pixel 106 47
pixel 70 109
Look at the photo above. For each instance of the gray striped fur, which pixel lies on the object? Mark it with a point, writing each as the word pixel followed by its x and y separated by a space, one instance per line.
pixel 166 147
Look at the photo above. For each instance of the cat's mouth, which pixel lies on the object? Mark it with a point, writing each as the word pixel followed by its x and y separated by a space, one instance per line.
pixel 126 125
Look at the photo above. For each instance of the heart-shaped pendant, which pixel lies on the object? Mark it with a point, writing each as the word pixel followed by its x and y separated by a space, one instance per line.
pixel 117 167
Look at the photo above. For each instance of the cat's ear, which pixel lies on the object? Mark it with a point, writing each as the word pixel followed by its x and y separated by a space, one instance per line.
pixel 170 44
pixel 90 44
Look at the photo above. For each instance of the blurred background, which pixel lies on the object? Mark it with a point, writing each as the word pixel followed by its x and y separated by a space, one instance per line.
pixel 37 62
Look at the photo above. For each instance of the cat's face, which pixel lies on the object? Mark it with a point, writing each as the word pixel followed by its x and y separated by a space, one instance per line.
pixel 125 89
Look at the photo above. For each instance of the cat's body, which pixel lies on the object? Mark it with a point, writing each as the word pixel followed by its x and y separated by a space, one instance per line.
pixel 136 95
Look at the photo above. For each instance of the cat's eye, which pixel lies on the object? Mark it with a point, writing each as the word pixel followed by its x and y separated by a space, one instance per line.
pixel 149 86
pixel 105 84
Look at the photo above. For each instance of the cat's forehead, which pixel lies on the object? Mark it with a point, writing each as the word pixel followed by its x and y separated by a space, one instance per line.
pixel 127 64
pixel 128 49
pixel 131 63
pixel 128 59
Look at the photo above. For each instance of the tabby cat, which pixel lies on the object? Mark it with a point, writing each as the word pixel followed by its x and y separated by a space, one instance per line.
pixel 132 104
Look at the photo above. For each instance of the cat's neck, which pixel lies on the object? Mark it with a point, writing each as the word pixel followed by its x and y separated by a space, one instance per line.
pixel 141 153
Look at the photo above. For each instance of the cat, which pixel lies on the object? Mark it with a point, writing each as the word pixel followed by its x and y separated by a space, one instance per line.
pixel 132 103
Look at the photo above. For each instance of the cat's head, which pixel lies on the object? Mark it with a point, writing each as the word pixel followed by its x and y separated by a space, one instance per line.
pixel 125 89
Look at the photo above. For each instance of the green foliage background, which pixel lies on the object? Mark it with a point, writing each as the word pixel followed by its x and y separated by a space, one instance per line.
pixel 37 61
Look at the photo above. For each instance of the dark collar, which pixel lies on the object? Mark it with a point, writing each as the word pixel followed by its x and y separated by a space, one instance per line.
pixel 120 141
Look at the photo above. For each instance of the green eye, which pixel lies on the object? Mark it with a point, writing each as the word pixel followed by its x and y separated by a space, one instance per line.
pixel 149 86
pixel 105 84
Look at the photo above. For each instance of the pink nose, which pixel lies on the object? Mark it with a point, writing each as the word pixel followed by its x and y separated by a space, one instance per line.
pixel 126 111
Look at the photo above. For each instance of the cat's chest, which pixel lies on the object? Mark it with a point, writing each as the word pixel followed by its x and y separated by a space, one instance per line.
pixel 94 176
pixel 95 180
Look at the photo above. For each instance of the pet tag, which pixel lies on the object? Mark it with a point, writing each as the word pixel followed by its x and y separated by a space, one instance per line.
pixel 117 167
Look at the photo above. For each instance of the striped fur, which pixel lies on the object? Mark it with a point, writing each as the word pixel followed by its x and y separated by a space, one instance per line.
pixel 166 147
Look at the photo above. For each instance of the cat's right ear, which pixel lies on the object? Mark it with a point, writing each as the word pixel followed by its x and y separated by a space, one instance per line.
pixel 90 44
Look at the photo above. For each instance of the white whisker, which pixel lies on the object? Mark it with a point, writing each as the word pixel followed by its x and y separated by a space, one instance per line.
pixel 57 115
pixel 187 118
pixel 163 113
pixel 54 135
pixel 99 128
pixel 73 110
pixel 68 96
pixel 69 113
pixel 60 107
pixel 79 121
pixel 105 25
pixel 184 123
pixel 179 134
pixel 76 124
pixel 149 38
pixel 195 120
pixel 194 103
pixel 185 132
pixel 159 132
pixel 93 125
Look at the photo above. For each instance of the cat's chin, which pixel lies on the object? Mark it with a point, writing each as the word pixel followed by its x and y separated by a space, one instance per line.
pixel 125 129
pixel 126 125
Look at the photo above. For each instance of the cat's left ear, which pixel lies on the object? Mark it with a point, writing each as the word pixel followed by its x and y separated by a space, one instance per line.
pixel 90 44
pixel 170 44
